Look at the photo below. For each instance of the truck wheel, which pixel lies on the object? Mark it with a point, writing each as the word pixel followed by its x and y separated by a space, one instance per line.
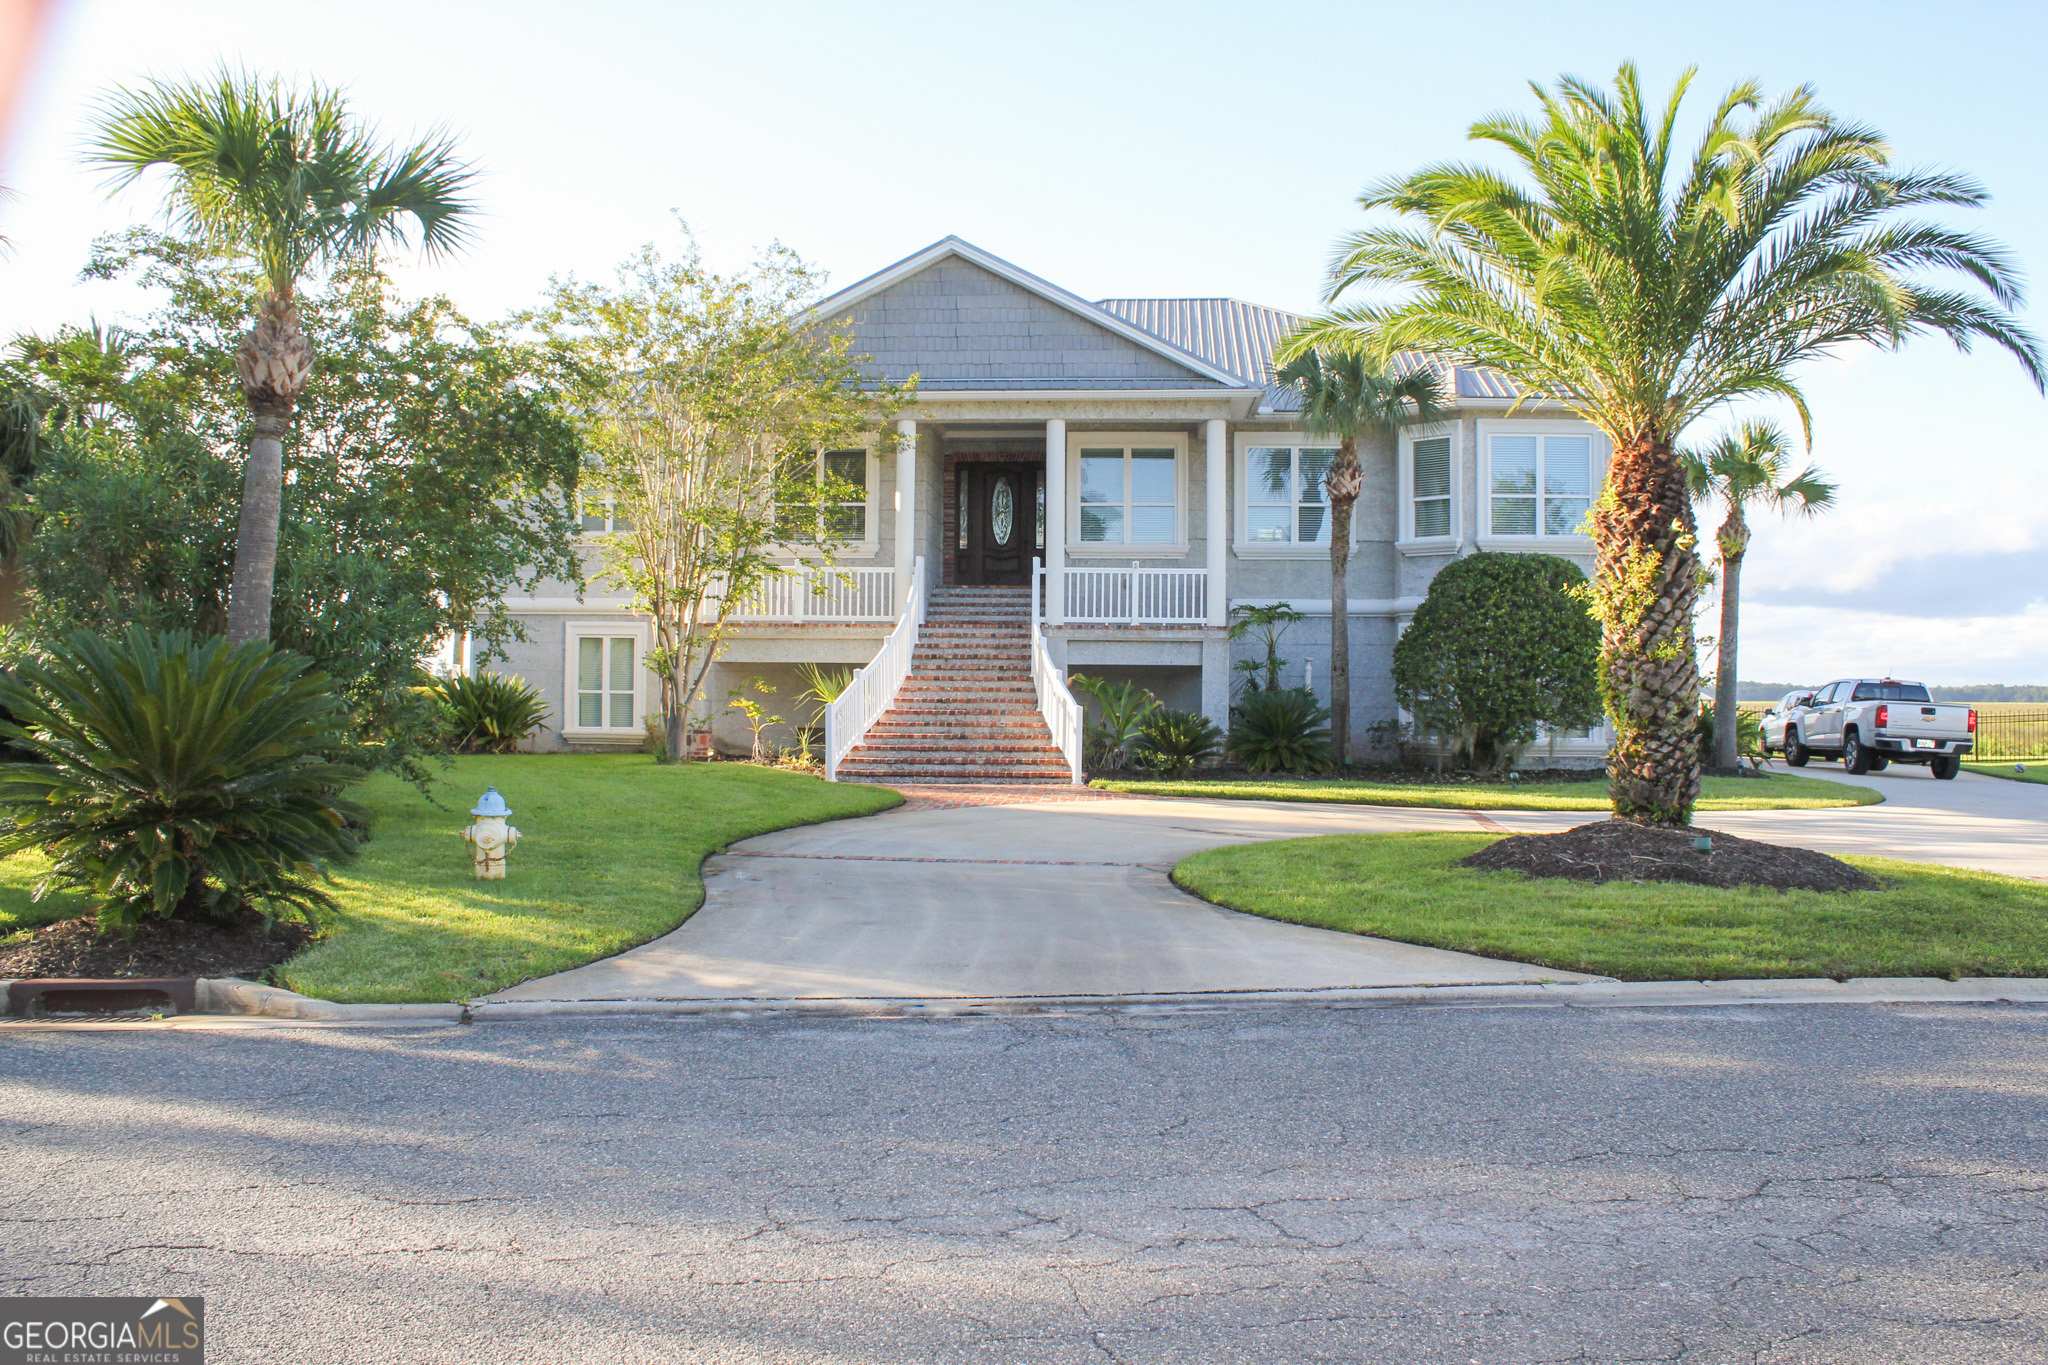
pixel 1795 753
pixel 1855 758
pixel 1946 767
pixel 1878 763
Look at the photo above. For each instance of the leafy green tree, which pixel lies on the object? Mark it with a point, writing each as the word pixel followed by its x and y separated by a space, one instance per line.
pixel 1347 397
pixel 169 777
pixel 1750 466
pixel 429 469
pixel 1501 645
pixel 707 400
pixel 1643 289
pixel 291 181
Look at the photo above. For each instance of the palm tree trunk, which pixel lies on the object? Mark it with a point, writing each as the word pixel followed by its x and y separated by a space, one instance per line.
pixel 1646 580
pixel 1727 751
pixel 256 533
pixel 1341 484
pixel 274 363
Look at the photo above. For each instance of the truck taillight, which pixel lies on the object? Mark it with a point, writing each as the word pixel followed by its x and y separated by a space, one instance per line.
pixel 1884 716
pixel 1973 720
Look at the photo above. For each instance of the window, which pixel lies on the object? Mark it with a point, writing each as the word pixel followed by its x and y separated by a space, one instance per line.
pixel 1540 484
pixel 605 682
pixel 1128 495
pixel 1284 500
pixel 1430 486
pixel 1889 691
pixel 599 516
pixel 842 513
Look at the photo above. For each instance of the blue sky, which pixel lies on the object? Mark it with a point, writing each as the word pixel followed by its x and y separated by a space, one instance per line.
pixel 1151 149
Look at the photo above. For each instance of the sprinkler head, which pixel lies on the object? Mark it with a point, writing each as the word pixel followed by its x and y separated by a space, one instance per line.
pixel 1703 845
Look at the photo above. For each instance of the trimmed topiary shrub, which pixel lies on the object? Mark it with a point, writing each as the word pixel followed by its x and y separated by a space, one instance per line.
pixel 179 778
pixel 1280 732
pixel 1176 742
pixel 1501 645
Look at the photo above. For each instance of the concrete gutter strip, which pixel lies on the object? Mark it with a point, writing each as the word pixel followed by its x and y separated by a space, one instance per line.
pixel 1590 995
pixel 233 996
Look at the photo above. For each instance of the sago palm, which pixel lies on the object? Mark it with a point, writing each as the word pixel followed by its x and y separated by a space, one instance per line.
pixel 1750 466
pixel 1345 397
pixel 290 180
pixel 1642 287
pixel 173 777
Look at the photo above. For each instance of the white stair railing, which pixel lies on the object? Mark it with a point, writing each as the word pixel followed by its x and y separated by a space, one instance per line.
pixel 873 689
pixel 1055 701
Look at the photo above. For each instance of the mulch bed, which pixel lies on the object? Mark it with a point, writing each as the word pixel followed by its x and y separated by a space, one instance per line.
pixel 160 948
pixel 1624 851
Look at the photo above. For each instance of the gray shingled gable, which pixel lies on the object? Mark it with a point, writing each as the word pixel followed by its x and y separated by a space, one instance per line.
pixel 959 326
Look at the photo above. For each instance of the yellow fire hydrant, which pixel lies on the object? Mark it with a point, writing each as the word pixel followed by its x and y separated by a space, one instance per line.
pixel 490 836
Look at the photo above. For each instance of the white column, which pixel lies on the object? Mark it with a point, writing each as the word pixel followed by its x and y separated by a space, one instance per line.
pixel 1056 520
pixel 1216 450
pixel 906 509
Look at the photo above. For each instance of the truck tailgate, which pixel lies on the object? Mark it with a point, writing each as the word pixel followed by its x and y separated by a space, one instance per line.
pixel 1917 720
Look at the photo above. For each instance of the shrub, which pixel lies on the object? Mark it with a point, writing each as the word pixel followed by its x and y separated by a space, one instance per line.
pixel 490 714
pixel 174 778
pixel 1176 742
pixel 1501 645
pixel 1121 709
pixel 1283 731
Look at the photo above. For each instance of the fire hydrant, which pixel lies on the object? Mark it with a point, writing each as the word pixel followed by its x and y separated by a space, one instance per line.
pixel 490 836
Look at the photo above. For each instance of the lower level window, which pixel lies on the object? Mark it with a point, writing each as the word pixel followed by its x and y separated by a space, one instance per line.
pixel 604 682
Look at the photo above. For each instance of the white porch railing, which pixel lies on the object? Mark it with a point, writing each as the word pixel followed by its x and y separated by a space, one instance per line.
pixel 1135 596
pixel 813 592
pixel 1055 702
pixel 873 689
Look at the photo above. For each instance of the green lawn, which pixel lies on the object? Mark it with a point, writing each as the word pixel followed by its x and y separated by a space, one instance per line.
pixel 18 913
pixel 2035 772
pixel 1931 921
pixel 1778 791
pixel 609 858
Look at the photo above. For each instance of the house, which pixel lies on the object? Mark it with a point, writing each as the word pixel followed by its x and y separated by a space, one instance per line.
pixel 1127 464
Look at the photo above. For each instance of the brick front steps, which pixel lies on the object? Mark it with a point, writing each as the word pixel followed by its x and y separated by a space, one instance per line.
pixel 968 712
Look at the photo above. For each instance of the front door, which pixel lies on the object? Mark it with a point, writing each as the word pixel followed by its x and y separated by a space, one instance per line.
pixel 1000 525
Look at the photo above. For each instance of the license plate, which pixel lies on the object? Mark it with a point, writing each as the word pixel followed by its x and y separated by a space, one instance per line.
pixel 1923 744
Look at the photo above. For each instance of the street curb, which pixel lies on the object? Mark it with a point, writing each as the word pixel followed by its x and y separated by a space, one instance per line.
pixel 233 995
pixel 1589 995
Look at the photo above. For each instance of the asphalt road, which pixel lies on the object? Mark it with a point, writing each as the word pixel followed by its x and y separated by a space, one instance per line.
pixel 1821 1183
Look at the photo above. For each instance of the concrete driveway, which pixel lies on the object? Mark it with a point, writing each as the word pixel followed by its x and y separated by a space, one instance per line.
pixel 1068 898
pixel 1061 898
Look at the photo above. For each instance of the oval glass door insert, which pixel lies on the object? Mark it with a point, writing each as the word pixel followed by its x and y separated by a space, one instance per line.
pixel 1002 511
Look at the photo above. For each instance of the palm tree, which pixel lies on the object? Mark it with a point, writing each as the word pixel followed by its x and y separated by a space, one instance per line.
pixel 1345 396
pixel 1642 290
pixel 1748 465
pixel 292 181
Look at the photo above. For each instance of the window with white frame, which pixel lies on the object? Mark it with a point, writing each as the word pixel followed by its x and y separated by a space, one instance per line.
pixel 1538 484
pixel 1128 494
pixel 841 513
pixel 606 683
pixel 599 516
pixel 1284 498
pixel 1429 486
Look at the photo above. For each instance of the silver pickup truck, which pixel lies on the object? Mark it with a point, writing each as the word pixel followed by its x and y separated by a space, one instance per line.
pixel 1871 723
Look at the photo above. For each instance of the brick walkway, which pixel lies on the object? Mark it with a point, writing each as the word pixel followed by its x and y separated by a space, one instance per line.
pixel 950 796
